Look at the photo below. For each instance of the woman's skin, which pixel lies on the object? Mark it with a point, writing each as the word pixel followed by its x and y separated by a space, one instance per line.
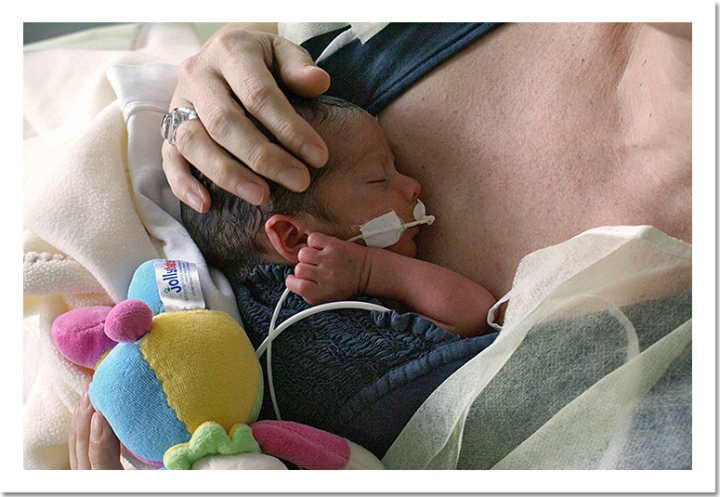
pixel 531 135
pixel 590 125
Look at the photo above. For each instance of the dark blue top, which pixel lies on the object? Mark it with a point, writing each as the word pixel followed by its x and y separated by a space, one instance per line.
pixel 374 73
pixel 355 373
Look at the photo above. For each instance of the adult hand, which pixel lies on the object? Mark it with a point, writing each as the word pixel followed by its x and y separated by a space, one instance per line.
pixel 234 66
pixel 92 443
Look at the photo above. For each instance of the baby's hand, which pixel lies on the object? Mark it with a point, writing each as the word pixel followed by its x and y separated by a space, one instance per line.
pixel 329 269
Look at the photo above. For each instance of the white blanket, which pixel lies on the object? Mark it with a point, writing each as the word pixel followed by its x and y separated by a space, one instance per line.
pixel 96 204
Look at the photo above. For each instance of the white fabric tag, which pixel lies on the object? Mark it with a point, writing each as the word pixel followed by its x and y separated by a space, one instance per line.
pixel 179 285
pixel 382 231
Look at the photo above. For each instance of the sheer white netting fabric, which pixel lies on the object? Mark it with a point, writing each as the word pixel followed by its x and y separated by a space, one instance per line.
pixel 592 369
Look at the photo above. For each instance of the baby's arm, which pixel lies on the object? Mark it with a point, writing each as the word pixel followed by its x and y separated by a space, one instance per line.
pixel 331 269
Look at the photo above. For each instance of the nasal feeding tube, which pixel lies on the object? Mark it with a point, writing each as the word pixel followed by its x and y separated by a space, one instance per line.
pixel 379 232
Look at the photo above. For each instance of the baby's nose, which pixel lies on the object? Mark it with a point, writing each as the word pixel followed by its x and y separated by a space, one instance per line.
pixel 411 188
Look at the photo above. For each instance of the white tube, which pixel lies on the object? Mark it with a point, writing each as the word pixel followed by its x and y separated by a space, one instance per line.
pixel 273 332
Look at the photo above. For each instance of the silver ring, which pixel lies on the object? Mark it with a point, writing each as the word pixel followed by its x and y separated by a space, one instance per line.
pixel 173 119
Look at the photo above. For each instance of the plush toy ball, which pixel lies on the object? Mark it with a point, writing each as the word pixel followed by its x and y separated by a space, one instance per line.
pixel 192 367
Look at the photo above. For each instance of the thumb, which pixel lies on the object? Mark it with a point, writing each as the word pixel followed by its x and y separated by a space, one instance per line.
pixel 297 69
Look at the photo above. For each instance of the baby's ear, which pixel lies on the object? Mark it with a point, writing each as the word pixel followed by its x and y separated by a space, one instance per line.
pixel 287 235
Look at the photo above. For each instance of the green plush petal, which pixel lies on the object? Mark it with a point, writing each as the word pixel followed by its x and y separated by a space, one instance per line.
pixel 210 439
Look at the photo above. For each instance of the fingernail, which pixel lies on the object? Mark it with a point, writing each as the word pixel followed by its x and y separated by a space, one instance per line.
pixel 293 179
pixel 250 192
pixel 313 155
pixel 96 427
pixel 194 202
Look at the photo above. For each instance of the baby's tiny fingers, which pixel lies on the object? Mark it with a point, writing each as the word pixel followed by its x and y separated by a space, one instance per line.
pixel 317 240
pixel 182 183
pixel 308 255
pixel 305 272
pixel 299 285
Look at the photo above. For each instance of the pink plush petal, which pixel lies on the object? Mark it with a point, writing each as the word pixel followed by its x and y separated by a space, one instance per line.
pixel 128 321
pixel 80 336
pixel 303 445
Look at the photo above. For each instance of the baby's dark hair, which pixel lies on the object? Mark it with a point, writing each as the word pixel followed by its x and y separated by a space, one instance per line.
pixel 226 234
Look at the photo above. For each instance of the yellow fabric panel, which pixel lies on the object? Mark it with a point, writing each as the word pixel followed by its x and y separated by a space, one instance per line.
pixel 206 365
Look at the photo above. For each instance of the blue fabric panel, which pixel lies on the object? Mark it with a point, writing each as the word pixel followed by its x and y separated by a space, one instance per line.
pixel 358 374
pixel 130 396
pixel 144 287
pixel 373 74
pixel 376 422
pixel 375 416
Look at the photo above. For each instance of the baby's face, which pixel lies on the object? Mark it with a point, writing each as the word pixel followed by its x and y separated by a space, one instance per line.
pixel 365 184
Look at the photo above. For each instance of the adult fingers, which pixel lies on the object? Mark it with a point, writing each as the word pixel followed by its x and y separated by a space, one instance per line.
pixel 92 443
pixel 226 140
pixel 104 447
pixel 252 81
pixel 196 147
pixel 297 69
pixel 182 183
pixel 223 160
pixel 79 437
